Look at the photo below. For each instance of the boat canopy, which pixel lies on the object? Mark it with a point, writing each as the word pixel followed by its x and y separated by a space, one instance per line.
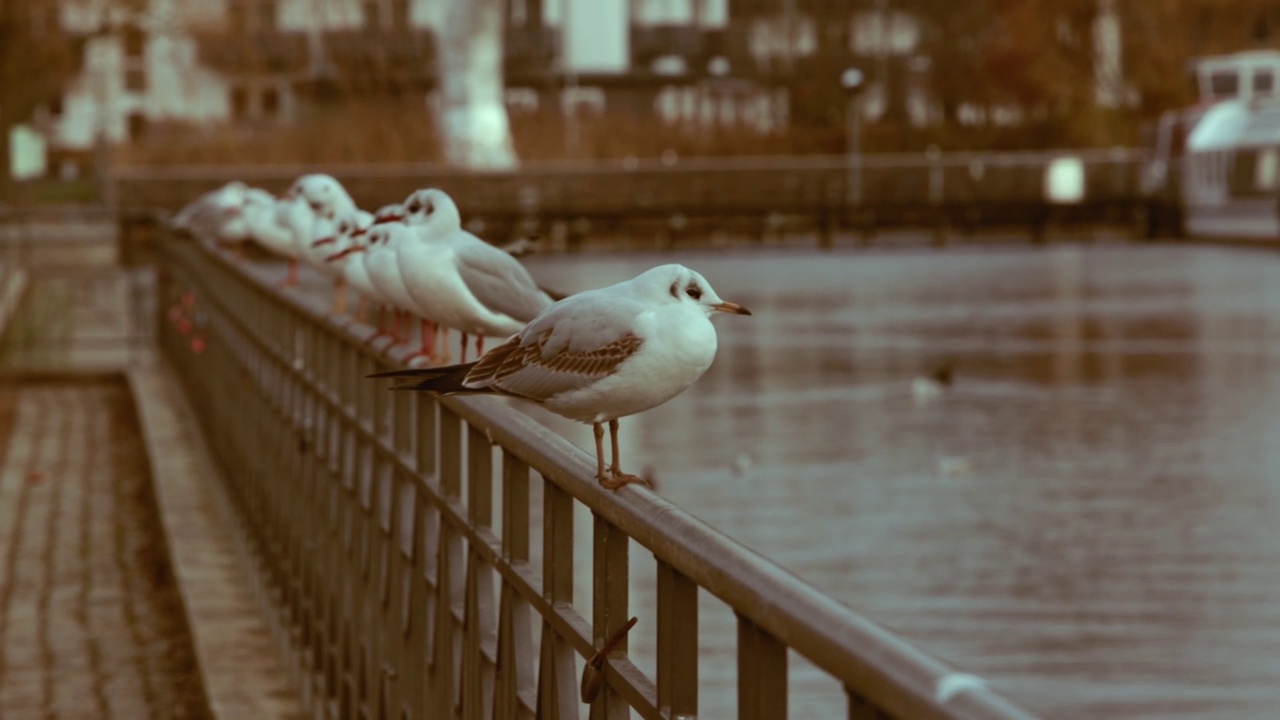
pixel 1220 128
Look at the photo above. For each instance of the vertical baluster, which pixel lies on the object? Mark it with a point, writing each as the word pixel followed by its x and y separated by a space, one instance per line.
pixel 478 625
pixel 416 617
pixel 762 673
pixel 677 642
pixel 557 665
pixel 861 709
pixel 609 609
pixel 514 687
pixel 447 640
pixel 425 458
pixel 397 611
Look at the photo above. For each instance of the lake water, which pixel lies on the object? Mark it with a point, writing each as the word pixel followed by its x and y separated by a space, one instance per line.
pixel 1089 517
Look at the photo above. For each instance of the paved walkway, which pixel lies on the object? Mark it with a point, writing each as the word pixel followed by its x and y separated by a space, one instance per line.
pixel 91 622
pixel 120 597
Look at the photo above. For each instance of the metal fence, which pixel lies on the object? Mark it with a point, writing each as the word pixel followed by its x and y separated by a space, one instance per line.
pixel 418 554
pixel 750 196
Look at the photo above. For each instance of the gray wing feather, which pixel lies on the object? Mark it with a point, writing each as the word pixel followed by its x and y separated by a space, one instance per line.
pixel 500 282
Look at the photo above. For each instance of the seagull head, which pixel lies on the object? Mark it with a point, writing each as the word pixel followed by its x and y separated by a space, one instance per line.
pixel 388 214
pixel 679 284
pixel 432 206
pixel 323 193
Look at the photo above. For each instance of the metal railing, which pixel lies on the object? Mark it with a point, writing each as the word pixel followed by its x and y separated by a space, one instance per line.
pixel 411 575
pixel 749 196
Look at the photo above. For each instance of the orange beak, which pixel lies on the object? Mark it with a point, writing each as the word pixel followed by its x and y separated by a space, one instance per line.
pixel 729 307
pixel 323 241
pixel 338 256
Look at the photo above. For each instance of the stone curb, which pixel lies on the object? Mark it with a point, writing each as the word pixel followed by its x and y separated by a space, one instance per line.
pixel 239 665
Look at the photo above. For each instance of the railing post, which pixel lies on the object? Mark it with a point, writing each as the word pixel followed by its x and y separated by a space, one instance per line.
pixel 677 643
pixel 478 625
pixel 449 589
pixel 514 683
pixel 609 609
pixel 762 673
pixel 557 681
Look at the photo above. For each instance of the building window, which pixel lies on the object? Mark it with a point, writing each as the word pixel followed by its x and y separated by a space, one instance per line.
pixel 137 127
pixel 372 15
pixel 270 102
pixel 239 103
pixel 1224 84
pixel 251 15
pixel 399 13
pixel 135 80
pixel 135 42
pixel 266 15
pixel 1263 81
pixel 237 17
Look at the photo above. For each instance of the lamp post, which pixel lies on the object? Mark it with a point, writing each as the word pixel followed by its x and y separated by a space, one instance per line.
pixel 852 80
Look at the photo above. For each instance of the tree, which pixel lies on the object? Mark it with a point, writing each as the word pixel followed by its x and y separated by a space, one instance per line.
pixel 36 58
pixel 473 113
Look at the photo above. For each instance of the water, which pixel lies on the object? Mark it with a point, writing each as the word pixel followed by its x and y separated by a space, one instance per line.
pixel 1087 517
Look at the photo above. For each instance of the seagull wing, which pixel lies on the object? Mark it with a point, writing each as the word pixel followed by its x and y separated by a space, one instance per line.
pixel 498 280
pixel 527 370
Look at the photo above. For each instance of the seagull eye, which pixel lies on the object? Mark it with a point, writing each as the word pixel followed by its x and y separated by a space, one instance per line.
pixel 694 292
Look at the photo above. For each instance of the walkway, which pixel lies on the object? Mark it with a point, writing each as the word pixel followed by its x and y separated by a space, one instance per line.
pixel 91 623
pixel 119 597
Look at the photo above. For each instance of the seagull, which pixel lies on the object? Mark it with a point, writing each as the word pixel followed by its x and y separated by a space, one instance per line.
pixel 268 220
pixel 599 355
pixel 215 215
pixel 323 193
pixel 459 280
pixel 336 234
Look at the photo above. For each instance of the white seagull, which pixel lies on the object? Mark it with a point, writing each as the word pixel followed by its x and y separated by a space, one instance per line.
pixel 599 355
pixel 459 280
pixel 336 235
pixel 215 215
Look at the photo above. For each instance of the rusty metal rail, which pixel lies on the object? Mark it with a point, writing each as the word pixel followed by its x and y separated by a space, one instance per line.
pixel 409 575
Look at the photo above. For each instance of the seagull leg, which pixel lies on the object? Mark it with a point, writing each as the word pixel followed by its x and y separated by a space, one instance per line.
pixel 601 477
pixel 617 478
pixel 382 325
pixel 427 335
pixel 291 275
pixel 479 346
pixel 339 296
pixel 442 345
pixel 464 347
pixel 362 309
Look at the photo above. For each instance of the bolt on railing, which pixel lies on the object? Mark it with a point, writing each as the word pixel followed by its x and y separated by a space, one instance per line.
pixel 404 571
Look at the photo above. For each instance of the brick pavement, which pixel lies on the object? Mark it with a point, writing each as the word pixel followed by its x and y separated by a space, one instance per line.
pixel 91 623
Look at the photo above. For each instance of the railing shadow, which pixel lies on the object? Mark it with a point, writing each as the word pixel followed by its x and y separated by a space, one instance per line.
pixel 412 572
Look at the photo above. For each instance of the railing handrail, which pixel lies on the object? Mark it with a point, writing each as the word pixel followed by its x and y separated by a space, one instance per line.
pixel 863 656
pixel 648 165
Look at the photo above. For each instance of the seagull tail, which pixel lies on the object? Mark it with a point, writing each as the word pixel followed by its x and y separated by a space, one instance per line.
pixel 448 379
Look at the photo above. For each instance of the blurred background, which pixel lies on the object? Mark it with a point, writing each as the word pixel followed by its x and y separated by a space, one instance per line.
pixel 271 81
pixel 1051 463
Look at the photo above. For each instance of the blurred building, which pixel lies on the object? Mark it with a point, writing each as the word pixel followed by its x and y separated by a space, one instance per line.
pixel 150 67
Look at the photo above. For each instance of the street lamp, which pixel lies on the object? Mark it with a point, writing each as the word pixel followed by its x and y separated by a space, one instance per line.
pixel 852 80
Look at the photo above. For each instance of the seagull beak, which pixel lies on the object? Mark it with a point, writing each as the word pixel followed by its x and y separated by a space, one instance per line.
pixel 338 256
pixel 729 307
pixel 388 219
pixel 323 241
